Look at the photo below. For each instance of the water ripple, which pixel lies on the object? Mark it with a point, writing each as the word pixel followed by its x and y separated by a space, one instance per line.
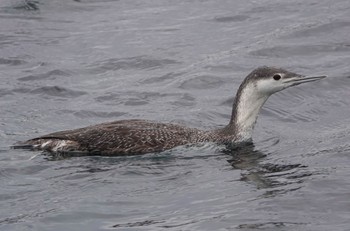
pixel 48 75
pixel 203 82
pixel 12 62
pixel 56 91
pixel 137 62
pixel 300 50
pixel 235 18
pixel 325 28
pixel 92 114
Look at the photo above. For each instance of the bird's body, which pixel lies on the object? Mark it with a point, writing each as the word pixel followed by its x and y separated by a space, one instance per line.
pixel 126 137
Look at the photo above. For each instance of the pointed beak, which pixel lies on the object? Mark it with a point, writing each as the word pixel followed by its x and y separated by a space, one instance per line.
pixel 293 81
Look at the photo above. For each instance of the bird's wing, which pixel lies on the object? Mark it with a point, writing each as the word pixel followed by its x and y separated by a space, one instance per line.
pixel 125 137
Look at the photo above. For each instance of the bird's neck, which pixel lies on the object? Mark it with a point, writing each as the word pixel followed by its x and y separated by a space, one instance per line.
pixel 245 111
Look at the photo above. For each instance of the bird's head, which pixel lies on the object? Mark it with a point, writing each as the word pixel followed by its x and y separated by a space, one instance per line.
pixel 269 80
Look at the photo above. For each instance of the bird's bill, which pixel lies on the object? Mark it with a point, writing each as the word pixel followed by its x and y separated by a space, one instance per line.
pixel 303 79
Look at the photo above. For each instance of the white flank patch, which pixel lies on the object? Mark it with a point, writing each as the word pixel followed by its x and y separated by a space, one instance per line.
pixel 45 144
pixel 59 145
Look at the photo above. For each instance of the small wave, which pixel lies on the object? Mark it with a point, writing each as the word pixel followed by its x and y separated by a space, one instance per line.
pixel 300 50
pixel 57 91
pixel 91 114
pixel 101 114
pixel 4 92
pixel 203 82
pixel 12 62
pixel 137 224
pixel 318 30
pixel 235 18
pixel 132 98
pixel 49 74
pixel 137 62
pixel 159 79
pixel 26 5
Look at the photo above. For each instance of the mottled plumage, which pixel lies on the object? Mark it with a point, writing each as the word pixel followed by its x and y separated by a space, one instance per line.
pixel 140 136
pixel 123 137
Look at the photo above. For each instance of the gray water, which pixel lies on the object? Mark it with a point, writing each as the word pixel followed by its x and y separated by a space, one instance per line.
pixel 68 64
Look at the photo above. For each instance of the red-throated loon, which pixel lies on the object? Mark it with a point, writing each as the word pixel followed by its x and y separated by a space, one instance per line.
pixel 126 137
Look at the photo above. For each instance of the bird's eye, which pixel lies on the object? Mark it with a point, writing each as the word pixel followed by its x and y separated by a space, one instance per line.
pixel 277 77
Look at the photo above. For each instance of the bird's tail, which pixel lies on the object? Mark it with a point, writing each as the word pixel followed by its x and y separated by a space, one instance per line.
pixel 29 144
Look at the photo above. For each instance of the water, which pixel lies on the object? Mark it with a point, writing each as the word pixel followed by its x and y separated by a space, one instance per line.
pixel 68 64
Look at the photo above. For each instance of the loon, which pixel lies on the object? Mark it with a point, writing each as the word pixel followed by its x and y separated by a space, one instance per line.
pixel 130 137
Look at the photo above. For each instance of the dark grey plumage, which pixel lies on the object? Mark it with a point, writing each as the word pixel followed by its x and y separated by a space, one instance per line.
pixel 125 137
pixel 140 136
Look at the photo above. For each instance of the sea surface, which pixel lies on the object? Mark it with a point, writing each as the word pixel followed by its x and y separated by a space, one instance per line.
pixel 69 64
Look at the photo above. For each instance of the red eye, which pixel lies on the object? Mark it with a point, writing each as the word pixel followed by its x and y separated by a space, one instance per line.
pixel 277 77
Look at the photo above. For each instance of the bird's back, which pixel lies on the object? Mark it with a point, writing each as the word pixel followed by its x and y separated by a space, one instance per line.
pixel 119 137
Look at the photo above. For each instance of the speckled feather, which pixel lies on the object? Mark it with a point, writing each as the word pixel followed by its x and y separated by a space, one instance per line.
pixel 125 137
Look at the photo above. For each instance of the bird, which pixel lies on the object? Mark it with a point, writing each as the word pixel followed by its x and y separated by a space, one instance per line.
pixel 135 136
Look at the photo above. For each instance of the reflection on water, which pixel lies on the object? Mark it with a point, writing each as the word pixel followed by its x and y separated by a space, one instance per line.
pixel 255 169
pixel 263 175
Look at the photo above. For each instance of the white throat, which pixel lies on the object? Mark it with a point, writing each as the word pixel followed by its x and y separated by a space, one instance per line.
pixel 248 106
